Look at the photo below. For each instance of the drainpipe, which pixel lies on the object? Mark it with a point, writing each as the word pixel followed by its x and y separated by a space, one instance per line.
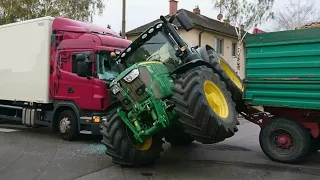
pixel 200 36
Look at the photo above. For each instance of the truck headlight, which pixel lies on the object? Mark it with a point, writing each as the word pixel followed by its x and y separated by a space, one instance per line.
pixel 132 75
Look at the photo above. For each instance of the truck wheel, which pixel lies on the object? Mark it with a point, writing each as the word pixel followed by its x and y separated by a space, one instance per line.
pixel 285 141
pixel 178 137
pixel 68 125
pixel 228 76
pixel 117 139
pixel 204 105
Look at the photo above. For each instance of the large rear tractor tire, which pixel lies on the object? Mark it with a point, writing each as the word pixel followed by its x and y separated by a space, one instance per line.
pixel 176 136
pixel 285 141
pixel 204 105
pixel 233 82
pixel 118 140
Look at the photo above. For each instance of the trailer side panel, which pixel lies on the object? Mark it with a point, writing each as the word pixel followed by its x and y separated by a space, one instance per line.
pixel 283 69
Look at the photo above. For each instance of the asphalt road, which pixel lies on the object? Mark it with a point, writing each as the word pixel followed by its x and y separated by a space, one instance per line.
pixel 37 154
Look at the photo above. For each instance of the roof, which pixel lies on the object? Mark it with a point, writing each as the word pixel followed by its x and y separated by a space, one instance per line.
pixel 257 31
pixel 66 24
pixel 199 21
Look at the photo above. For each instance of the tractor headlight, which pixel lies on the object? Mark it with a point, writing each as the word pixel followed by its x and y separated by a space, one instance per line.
pixel 132 75
pixel 115 89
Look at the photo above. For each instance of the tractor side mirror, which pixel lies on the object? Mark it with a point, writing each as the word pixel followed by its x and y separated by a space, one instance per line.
pixel 184 21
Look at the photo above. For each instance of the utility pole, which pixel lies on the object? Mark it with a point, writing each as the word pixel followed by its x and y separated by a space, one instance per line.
pixel 123 19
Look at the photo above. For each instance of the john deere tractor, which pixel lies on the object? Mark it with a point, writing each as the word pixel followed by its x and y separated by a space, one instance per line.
pixel 168 90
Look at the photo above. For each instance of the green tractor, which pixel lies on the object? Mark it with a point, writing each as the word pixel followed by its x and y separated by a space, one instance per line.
pixel 168 90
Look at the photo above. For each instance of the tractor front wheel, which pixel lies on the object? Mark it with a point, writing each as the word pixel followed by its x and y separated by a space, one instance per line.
pixel 117 138
pixel 204 105
pixel 176 136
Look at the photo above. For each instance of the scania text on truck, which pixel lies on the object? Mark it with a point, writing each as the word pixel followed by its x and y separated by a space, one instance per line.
pixel 55 72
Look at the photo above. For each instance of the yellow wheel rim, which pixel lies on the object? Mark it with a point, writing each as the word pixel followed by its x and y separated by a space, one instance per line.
pixel 145 146
pixel 231 75
pixel 216 99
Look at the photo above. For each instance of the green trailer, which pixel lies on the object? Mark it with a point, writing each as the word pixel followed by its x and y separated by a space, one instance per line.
pixel 282 73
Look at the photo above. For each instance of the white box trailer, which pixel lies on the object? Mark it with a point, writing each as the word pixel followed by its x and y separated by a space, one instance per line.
pixel 25 60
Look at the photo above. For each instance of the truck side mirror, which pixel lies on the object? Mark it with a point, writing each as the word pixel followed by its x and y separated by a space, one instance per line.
pixel 184 21
pixel 80 57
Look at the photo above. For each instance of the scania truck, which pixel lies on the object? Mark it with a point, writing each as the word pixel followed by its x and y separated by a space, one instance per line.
pixel 55 72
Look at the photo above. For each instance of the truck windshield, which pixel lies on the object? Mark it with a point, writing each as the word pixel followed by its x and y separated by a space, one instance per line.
pixel 157 48
pixel 105 67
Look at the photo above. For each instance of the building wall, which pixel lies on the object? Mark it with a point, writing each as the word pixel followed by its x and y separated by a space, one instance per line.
pixel 208 38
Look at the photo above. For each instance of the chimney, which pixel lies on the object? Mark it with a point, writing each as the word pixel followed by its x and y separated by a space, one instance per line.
pixel 196 10
pixel 173 7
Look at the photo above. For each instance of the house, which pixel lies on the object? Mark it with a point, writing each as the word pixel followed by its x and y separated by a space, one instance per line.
pixel 207 31
pixel 257 31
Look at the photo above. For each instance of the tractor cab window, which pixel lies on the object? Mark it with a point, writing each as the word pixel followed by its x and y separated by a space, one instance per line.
pixel 157 48
pixel 105 66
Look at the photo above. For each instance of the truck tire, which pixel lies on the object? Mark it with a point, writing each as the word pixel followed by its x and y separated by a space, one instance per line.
pixel 228 76
pixel 116 138
pixel 176 136
pixel 315 145
pixel 68 125
pixel 285 140
pixel 206 120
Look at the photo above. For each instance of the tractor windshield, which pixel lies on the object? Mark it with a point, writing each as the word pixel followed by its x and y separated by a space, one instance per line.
pixel 157 48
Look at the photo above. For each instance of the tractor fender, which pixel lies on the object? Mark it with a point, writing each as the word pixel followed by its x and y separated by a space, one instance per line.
pixel 203 51
pixel 190 65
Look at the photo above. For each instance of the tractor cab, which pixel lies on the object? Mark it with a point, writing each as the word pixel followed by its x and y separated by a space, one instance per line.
pixel 160 43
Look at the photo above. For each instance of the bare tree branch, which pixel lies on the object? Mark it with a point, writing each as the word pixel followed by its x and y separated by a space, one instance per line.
pixel 296 13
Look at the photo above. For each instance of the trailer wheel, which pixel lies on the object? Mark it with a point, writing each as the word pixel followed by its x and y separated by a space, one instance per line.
pixel 204 106
pixel 285 140
pixel 118 140
pixel 68 125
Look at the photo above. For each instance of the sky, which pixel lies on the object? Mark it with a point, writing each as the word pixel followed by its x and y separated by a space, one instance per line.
pixel 140 12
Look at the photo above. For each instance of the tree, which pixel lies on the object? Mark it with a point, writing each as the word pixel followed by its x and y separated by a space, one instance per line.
pixel 109 26
pixel 19 10
pixel 249 13
pixel 296 13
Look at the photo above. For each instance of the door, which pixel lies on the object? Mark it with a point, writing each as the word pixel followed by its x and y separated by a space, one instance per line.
pixel 72 86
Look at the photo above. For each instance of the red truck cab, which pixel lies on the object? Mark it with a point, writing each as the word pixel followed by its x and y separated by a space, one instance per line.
pixel 80 92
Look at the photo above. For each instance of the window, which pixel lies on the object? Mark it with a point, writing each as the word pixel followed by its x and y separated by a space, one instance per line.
pixel 219 45
pixel 105 66
pixel 75 61
pixel 233 50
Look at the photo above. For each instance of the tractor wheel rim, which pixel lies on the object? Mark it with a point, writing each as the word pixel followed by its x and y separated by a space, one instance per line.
pixel 142 147
pixel 216 99
pixel 64 125
pixel 145 146
pixel 231 75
